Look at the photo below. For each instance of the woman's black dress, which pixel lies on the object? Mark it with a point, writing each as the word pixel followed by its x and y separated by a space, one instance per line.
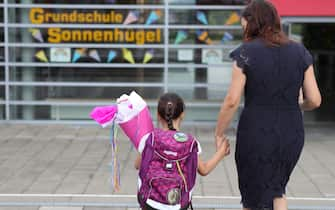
pixel 270 133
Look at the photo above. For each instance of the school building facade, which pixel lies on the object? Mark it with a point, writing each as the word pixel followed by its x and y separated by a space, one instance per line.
pixel 59 59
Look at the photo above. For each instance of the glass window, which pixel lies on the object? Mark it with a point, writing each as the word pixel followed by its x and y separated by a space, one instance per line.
pixel 98 15
pixel 212 82
pixel 206 37
pixel 2 54
pixel 30 112
pixel 213 56
pixel 58 35
pixel 204 17
pixel 2 93
pixel 89 1
pixel 102 75
pixel 2 112
pixel 2 73
pixel 66 55
pixel 1 14
pixel 209 2
pixel 49 93
pixel 2 36
pixel 55 112
pixel 61 71
pixel 2 101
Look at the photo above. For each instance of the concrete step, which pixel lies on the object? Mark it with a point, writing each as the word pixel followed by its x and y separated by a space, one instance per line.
pixel 128 202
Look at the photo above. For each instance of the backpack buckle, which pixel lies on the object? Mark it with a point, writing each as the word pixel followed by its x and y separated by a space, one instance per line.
pixel 173 196
pixel 169 166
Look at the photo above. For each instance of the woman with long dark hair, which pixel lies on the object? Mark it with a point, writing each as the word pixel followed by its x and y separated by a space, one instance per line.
pixel 277 78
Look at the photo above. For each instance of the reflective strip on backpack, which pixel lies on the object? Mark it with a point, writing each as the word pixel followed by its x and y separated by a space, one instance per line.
pixel 161 206
pixel 182 175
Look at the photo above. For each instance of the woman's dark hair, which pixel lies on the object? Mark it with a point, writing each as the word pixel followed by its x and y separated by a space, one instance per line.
pixel 170 107
pixel 263 22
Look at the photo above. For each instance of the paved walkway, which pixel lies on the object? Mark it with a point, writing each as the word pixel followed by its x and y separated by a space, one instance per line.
pixel 55 165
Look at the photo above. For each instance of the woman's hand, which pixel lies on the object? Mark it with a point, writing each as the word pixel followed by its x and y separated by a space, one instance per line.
pixel 223 145
pixel 301 97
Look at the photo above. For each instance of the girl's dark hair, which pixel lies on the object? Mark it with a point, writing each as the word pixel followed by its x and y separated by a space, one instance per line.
pixel 263 22
pixel 170 107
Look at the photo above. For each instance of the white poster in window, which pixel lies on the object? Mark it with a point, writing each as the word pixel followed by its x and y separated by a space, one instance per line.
pixel 212 56
pixel 62 55
pixel 185 55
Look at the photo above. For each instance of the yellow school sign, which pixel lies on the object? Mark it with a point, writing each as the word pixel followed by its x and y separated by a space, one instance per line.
pixel 115 35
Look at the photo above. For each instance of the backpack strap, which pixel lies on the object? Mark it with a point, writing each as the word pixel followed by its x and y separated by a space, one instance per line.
pixel 182 175
pixel 152 138
pixel 194 143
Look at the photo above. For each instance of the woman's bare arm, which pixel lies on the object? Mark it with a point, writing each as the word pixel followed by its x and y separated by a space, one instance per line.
pixel 311 93
pixel 231 101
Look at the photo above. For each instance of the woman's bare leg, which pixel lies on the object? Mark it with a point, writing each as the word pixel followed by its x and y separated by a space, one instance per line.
pixel 280 203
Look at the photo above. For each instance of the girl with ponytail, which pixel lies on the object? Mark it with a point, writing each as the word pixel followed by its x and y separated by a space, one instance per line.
pixel 170 113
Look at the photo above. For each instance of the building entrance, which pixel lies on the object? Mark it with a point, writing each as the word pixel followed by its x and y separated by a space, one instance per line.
pixel 320 40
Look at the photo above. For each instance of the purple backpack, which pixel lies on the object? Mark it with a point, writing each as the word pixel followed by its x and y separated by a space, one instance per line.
pixel 168 170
